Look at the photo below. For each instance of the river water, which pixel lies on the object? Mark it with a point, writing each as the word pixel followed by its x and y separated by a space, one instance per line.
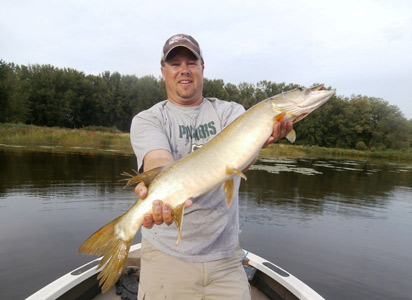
pixel 343 227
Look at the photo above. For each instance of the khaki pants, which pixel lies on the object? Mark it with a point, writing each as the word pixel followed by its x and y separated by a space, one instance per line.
pixel 164 277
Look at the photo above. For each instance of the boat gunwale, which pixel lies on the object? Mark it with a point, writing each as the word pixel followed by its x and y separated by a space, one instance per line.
pixel 65 283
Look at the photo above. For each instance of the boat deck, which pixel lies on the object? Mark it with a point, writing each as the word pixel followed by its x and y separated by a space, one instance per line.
pixel 111 295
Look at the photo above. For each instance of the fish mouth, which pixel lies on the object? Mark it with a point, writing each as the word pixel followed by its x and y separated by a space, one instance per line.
pixel 300 117
pixel 319 87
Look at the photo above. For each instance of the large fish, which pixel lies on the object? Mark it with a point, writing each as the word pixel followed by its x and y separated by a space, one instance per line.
pixel 217 162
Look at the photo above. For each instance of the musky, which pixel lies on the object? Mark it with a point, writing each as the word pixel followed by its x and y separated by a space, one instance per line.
pixel 359 47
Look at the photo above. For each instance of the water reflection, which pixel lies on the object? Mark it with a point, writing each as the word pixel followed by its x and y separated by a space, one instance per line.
pixel 39 171
pixel 345 223
pixel 359 182
pixel 312 186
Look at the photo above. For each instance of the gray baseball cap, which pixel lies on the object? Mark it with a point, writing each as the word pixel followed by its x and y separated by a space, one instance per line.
pixel 181 40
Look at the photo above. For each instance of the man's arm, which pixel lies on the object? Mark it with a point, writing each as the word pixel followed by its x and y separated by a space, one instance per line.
pixel 157 158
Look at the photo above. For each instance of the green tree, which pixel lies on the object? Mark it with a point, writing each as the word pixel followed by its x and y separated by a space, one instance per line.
pixel 46 107
pixel 14 93
pixel 356 128
pixel 232 91
pixel 214 88
pixel 389 126
pixel 149 91
pixel 246 94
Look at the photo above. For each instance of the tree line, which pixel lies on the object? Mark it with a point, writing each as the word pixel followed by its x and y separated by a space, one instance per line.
pixel 44 95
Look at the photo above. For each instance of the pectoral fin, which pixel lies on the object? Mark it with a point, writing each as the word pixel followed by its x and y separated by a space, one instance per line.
pixel 279 117
pixel 291 136
pixel 177 216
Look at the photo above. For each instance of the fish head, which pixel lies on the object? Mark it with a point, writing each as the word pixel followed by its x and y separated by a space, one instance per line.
pixel 300 102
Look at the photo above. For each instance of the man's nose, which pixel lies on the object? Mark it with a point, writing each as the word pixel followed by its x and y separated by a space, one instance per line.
pixel 184 68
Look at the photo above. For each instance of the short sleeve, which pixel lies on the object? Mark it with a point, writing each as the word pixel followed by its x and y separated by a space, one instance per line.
pixel 233 113
pixel 146 134
pixel 228 111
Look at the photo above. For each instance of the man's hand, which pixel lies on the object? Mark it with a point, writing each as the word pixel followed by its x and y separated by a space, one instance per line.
pixel 161 213
pixel 280 130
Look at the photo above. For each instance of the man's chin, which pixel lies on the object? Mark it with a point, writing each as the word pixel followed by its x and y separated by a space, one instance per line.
pixel 187 96
pixel 190 99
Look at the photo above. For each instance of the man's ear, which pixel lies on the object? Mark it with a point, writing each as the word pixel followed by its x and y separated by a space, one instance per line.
pixel 162 69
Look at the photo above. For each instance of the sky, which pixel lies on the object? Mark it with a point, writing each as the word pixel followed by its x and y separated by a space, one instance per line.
pixel 358 47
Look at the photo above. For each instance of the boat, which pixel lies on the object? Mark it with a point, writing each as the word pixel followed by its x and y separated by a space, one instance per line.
pixel 267 281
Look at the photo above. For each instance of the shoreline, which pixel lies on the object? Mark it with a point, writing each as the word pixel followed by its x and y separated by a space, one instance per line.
pixel 107 141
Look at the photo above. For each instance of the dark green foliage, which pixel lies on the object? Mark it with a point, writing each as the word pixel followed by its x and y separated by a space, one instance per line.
pixel 48 96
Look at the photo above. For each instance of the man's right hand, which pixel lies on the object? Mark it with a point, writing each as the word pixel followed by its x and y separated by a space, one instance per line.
pixel 161 213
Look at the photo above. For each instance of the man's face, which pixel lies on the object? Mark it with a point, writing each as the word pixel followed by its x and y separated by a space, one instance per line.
pixel 183 77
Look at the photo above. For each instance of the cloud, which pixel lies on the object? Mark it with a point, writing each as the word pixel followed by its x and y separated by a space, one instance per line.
pixel 358 47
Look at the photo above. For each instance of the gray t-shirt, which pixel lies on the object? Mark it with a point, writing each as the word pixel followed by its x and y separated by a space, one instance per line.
pixel 210 229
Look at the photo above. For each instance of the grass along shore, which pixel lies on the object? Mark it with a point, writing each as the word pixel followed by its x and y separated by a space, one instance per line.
pixel 101 140
pixel 54 139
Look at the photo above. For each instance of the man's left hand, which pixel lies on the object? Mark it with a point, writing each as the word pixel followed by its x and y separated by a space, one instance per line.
pixel 280 130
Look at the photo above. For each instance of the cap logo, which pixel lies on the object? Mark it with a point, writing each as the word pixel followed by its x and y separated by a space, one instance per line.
pixel 178 38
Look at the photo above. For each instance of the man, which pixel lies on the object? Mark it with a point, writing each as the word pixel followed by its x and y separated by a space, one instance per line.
pixel 207 263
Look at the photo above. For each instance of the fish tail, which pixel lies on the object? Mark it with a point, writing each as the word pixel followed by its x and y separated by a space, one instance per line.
pixel 114 249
